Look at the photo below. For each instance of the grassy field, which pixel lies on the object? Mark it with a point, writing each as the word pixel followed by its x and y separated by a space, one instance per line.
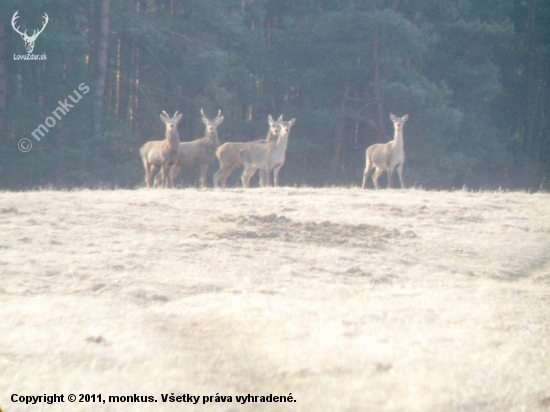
pixel 348 300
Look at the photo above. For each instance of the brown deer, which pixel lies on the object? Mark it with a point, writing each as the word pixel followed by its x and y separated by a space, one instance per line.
pixel 387 156
pixel 256 156
pixel 229 153
pixel 199 153
pixel 162 153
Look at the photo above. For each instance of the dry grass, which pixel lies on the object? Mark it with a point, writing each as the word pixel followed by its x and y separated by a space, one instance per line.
pixel 350 300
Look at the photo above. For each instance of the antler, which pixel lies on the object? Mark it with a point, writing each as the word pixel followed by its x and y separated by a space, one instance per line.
pixel 166 114
pixel 175 114
pixel 36 33
pixel 217 117
pixel 15 17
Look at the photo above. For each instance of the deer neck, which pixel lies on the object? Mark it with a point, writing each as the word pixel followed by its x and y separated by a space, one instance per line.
pixel 271 136
pixel 281 144
pixel 398 139
pixel 173 138
pixel 213 138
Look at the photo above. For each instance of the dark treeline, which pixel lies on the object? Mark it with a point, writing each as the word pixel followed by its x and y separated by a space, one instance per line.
pixel 473 75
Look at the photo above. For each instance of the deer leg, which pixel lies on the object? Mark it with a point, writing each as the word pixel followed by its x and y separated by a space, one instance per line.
pixel 169 181
pixel 204 170
pixel 244 177
pixel 174 172
pixel 167 177
pixel 252 175
pixel 263 174
pixel 151 172
pixel 221 176
pixel 390 173
pixel 247 174
pixel 266 176
pixel 276 175
pixel 217 178
pixel 171 177
pixel 227 174
pixel 163 176
pixel 253 172
pixel 156 180
pixel 147 174
pixel 367 171
pixel 400 173
pixel 375 177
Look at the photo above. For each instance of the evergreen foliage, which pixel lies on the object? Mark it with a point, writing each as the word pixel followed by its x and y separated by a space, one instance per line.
pixel 473 75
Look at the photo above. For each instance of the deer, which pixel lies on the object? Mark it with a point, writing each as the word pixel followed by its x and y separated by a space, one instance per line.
pixel 256 156
pixel 228 153
pixel 199 153
pixel 29 40
pixel 162 153
pixel 387 156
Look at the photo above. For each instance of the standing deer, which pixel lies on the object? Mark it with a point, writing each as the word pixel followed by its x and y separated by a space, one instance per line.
pixel 387 156
pixel 256 156
pixel 29 40
pixel 229 153
pixel 162 153
pixel 277 159
pixel 199 153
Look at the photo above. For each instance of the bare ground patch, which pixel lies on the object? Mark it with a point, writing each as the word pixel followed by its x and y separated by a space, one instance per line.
pixel 325 233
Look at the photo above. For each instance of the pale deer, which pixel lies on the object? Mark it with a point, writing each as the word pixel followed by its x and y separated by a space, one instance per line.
pixel 263 155
pixel 199 153
pixel 387 156
pixel 162 153
pixel 229 153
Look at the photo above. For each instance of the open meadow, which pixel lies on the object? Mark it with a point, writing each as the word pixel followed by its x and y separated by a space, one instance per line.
pixel 344 299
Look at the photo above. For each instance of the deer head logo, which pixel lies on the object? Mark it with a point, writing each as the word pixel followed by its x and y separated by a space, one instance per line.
pixel 29 40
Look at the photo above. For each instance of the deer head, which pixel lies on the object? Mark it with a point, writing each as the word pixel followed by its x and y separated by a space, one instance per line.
pixel 29 40
pixel 274 125
pixel 399 122
pixel 171 123
pixel 211 125
pixel 286 126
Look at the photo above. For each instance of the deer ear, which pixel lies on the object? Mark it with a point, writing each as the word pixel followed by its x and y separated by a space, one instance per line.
pixel 392 117
pixel 269 119
pixel 291 123
pixel 164 118
pixel 280 119
pixel 178 118
pixel 406 117
pixel 219 120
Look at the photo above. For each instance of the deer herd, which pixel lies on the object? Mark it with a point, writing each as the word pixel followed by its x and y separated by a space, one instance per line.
pixel 267 155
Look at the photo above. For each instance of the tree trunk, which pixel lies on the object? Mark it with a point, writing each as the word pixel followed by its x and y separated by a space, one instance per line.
pixel 118 77
pixel 379 106
pixel 103 45
pixel 3 78
pixel 338 140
